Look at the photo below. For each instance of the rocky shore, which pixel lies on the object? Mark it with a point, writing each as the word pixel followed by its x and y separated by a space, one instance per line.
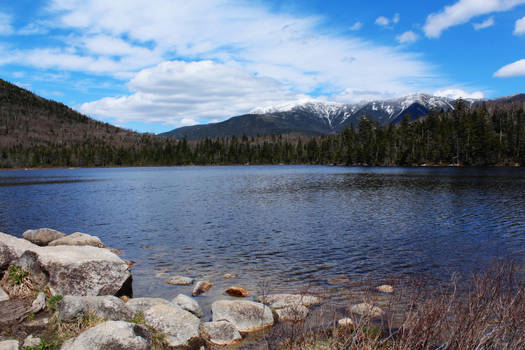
pixel 63 291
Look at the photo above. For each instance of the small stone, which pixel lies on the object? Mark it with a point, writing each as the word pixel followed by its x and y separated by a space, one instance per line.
pixel 385 288
pixel 9 345
pixel 365 309
pixel 237 292
pixel 201 287
pixel 3 295
pixel 345 322
pixel 189 304
pixel 78 239
pixel 42 236
pixel 294 313
pixel 180 280
pixel 228 275
pixel 246 316
pixel 31 341
pixel 39 303
pixel 220 333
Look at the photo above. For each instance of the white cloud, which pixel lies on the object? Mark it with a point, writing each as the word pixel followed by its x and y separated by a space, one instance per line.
pixel 515 69
pixel 489 22
pixel 456 93
pixel 519 28
pixel 407 37
pixel 463 11
pixel 396 18
pixel 382 21
pixel 356 26
pixel 5 24
pixel 184 93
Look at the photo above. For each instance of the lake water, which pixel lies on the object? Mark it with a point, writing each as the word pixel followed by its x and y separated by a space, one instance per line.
pixel 287 226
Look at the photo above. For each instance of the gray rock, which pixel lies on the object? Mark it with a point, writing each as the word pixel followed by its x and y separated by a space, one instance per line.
pixel 42 236
pixel 79 239
pixel 39 303
pixel 189 304
pixel 71 270
pixel 9 345
pixel 293 313
pixel 31 341
pixel 142 304
pixel 180 326
pixel 279 301
pixel 116 335
pixel 246 316
pixel 12 248
pixel 3 295
pixel 365 309
pixel 201 287
pixel 108 306
pixel 385 288
pixel 220 333
pixel 179 280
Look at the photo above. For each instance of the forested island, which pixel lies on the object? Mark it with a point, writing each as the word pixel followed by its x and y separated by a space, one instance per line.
pixel 36 132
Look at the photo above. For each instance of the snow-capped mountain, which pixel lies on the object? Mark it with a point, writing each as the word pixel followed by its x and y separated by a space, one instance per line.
pixel 313 118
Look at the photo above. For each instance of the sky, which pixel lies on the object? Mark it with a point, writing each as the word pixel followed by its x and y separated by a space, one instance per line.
pixel 155 65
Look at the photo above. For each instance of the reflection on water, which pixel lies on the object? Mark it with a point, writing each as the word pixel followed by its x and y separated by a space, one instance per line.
pixel 291 225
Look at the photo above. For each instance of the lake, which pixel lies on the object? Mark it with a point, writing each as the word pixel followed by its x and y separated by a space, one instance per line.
pixel 285 227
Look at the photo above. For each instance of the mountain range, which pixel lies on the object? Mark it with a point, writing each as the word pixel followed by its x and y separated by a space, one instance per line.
pixel 322 118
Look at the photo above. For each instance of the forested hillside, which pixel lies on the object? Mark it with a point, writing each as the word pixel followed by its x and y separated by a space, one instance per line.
pixel 35 132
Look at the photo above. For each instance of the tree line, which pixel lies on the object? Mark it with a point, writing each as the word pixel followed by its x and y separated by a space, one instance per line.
pixel 478 136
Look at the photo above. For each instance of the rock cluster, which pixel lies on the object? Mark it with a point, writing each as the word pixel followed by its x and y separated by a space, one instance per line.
pixel 90 278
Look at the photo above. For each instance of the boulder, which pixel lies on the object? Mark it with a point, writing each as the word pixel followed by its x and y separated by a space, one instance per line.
pixel 180 326
pixel 70 270
pixel 9 345
pixel 293 313
pixel 365 309
pixel 85 271
pixel 142 304
pixel 117 335
pixel 385 288
pixel 279 301
pixel 246 316
pixel 237 292
pixel 42 236
pixel 78 239
pixel 3 295
pixel 188 303
pixel 31 342
pixel 12 248
pixel 179 280
pixel 345 322
pixel 201 287
pixel 220 333
pixel 108 306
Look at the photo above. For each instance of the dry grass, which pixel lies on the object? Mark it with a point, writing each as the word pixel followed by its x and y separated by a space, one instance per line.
pixel 486 312
pixel 18 283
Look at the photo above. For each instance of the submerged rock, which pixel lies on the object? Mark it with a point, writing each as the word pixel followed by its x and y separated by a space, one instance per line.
pixel 189 304
pixel 365 309
pixel 279 301
pixel 179 280
pixel 385 288
pixel 142 304
pixel 220 333
pixel 201 287
pixel 108 307
pixel 246 316
pixel 118 335
pixel 345 322
pixel 79 239
pixel 237 292
pixel 228 275
pixel 42 236
pixel 180 326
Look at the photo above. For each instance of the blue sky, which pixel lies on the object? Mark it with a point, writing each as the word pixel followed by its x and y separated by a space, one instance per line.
pixel 154 65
